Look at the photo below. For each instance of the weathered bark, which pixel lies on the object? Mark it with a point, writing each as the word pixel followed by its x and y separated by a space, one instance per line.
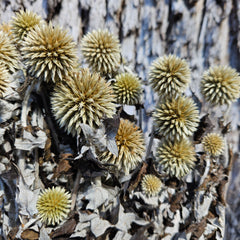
pixel 204 32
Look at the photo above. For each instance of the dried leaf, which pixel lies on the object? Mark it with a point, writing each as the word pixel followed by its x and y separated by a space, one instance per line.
pixel 99 226
pixel 62 167
pixel 29 234
pixel 28 142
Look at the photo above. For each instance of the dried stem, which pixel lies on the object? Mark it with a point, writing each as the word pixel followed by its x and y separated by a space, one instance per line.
pixel 75 189
pixel 150 143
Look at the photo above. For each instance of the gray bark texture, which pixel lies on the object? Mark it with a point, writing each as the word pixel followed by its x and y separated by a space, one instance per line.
pixel 205 33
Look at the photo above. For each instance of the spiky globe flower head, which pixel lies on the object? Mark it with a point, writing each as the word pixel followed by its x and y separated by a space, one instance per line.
pixel 22 23
pixel 169 76
pixel 53 205
pixel 127 89
pixel 8 53
pixel 101 49
pixel 131 147
pixel 176 158
pixel 6 28
pixel 3 79
pixel 220 85
pixel 151 185
pixel 213 144
pixel 49 53
pixel 176 118
pixel 84 98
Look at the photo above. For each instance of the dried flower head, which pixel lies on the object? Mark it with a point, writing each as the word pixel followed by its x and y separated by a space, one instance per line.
pixel 169 75
pixel 130 143
pixel 49 53
pixel 177 118
pixel 176 158
pixel 53 205
pixel 8 53
pixel 6 28
pixel 3 79
pixel 151 185
pixel 101 50
pixel 213 144
pixel 22 23
pixel 83 98
pixel 220 85
pixel 127 89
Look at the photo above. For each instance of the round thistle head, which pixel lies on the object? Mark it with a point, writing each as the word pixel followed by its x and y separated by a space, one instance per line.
pixel 101 50
pixel 176 158
pixel 131 147
pixel 3 79
pixel 49 53
pixel 151 185
pixel 53 205
pixel 213 144
pixel 176 118
pixel 220 85
pixel 127 89
pixel 169 76
pixel 6 28
pixel 84 98
pixel 22 23
pixel 8 53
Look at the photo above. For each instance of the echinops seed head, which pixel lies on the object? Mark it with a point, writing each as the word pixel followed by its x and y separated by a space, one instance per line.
pixel 176 158
pixel 53 205
pixel 49 53
pixel 151 185
pixel 4 75
pixel 213 144
pixel 101 50
pixel 131 147
pixel 127 89
pixel 169 76
pixel 8 53
pixel 176 118
pixel 220 85
pixel 83 98
pixel 22 23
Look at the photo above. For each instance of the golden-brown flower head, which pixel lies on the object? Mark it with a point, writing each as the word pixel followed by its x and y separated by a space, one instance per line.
pixel 127 89
pixel 3 79
pixel 49 53
pixel 53 205
pixel 176 118
pixel 22 23
pixel 84 98
pixel 131 147
pixel 220 85
pixel 169 76
pixel 213 144
pixel 8 53
pixel 6 28
pixel 151 185
pixel 101 50
pixel 176 158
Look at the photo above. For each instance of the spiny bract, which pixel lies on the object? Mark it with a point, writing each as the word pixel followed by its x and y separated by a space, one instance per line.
pixel 8 53
pixel 6 28
pixel 176 118
pixel 101 50
pixel 176 158
pixel 53 205
pixel 220 85
pixel 49 53
pixel 84 98
pixel 127 89
pixel 22 23
pixel 151 185
pixel 3 79
pixel 213 144
pixel 131 147
pixel 169 75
